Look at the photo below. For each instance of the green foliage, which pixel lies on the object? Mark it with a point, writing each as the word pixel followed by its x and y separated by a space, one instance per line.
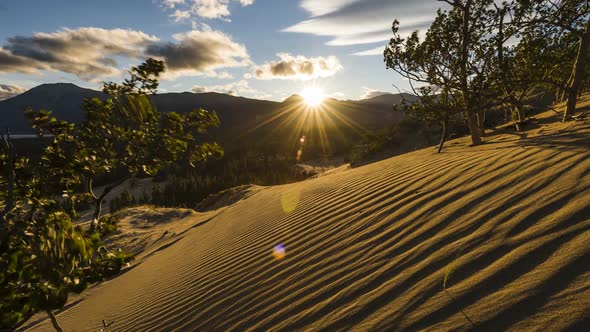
pixel 190 186
pixel 453 64
pixel 43 257
pixel 124 135
pixel 483 56
pixel 126 199
pixel 371 144
pixel 409 134
pixel 109 225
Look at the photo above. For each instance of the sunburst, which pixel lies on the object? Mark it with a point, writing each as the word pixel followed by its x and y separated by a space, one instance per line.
pixel 313 96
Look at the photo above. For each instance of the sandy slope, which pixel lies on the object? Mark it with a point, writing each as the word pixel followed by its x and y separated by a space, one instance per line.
pixel 367 249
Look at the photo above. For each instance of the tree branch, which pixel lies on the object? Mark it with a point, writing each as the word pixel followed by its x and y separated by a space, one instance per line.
pixel 11 176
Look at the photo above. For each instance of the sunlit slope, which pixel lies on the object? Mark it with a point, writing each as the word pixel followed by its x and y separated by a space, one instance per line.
pixel 367 249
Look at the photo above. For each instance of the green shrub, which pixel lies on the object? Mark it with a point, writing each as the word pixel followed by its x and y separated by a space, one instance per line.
pixel 108 225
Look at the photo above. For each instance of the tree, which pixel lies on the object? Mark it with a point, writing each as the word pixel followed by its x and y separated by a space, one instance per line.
pixel 456 56
pixel 125 136
pixel 564 19
pixel 433 108
pixel 43 257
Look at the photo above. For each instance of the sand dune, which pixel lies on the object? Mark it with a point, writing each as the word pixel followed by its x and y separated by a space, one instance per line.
pixel 368 248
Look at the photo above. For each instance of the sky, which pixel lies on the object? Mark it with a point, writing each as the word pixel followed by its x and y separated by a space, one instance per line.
pixel 265 49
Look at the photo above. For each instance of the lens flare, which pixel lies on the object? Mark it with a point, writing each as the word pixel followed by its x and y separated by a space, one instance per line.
pixel 279 251
pixel 290 200
pixel 300 151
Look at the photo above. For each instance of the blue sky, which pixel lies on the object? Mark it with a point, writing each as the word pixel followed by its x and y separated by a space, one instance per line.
pixel 266 49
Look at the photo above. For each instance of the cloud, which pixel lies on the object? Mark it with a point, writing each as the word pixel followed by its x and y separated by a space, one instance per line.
pixel 172 3
pixel 10 63
pixel 92 53
pixel 374 51
pixel 239 88
pixel 200 52
pixel 297 67
pixel 338 95
pixel 211 9
pixel 372 93
pixel 353 22
pixel 85 52
pixel 234 88
pixel 180 15
pixel 317 8
pixel 9 91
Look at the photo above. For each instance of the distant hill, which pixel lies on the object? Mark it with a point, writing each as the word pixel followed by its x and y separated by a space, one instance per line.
pixel 237 114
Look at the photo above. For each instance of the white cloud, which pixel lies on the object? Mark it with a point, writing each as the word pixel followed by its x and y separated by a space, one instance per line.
pixel 372 93
pixel 338 95
pixel 374 51
pixel 180 15
pixel 297 67
pixel 239 88
pixel 172 3
pixel 352 22
pixel 317 8
pixel 234 88
pixel 9 91
pixel 200 52
pixel 211 9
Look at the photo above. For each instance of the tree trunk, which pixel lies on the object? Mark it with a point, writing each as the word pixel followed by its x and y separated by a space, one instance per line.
pixel 95 223
pixel 508 89
pixel 481 117
pixel 25 319
pixel 443 135
pixel 521 113
pixel 463 76
pixel 578 73
pixel 473 129
pixel 54 321
pixel 97 212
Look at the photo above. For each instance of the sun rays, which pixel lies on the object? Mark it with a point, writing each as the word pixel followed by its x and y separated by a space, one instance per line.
pixel 326 123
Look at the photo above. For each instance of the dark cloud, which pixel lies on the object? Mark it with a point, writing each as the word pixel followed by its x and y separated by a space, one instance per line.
pixel 91 53
pixel 200 52
pixel 86 52
pixel 298 68
pixel 10 63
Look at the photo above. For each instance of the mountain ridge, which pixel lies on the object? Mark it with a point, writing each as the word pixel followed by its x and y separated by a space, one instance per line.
pixel 235 112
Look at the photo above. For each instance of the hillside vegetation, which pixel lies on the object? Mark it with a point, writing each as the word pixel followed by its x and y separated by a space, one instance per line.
pixel 505 225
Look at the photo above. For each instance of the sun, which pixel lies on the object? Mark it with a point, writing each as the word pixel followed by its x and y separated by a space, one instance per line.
pixel 313 96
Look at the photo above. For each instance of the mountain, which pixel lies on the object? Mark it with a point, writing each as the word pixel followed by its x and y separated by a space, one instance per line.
pixel 387 100
pixel 237 114
pixel 64 99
